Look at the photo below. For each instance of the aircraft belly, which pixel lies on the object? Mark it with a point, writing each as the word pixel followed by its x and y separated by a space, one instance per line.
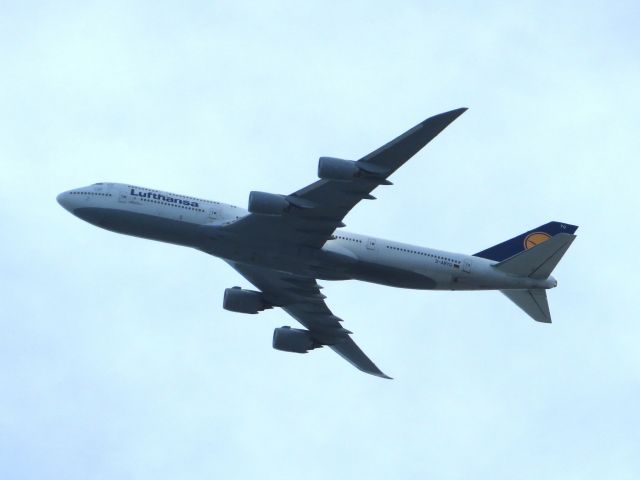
pixel 392 276
pixel 328 263
pixel 141 225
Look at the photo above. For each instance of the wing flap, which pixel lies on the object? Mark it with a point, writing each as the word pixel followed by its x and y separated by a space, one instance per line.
pixel 394 154
pixel 318 210
pixel 356 357
pixel 322 205
pixel 296 295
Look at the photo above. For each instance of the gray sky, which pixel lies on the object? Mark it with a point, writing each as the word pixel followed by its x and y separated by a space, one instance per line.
pixel 117 358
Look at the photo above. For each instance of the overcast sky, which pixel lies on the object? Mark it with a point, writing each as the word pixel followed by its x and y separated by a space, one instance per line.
pixel 117 359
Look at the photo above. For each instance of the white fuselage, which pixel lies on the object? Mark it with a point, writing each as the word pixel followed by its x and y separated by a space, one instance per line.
pixel 199 224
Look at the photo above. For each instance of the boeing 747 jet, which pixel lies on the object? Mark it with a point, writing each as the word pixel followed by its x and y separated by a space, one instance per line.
pixel 283 244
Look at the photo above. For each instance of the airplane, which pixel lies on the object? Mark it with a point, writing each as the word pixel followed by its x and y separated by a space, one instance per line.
pixel 283 244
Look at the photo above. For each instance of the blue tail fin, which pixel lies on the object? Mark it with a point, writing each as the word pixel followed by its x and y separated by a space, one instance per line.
pixel 525 241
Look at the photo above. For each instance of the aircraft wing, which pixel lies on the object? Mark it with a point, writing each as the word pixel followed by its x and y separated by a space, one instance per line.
pixel 300 297
pixel 318 209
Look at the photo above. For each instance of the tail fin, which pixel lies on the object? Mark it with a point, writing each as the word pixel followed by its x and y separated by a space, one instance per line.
pixel 533 302
pixel 525 241
pixel 533 254
pixel 539 261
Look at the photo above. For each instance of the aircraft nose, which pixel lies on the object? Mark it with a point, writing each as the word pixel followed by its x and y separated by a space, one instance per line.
pixel 64 201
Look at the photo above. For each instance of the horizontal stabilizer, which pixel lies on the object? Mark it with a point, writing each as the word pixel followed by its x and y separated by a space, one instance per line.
pixel 533 302
pixel 538 262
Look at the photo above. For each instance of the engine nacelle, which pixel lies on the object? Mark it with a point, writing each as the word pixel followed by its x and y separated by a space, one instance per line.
pixel 239 300
pixel 267 203
pixel 293 340
pixel 337 169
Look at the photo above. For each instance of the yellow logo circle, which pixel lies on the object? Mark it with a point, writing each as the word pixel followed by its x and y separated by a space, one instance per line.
pixel 534 239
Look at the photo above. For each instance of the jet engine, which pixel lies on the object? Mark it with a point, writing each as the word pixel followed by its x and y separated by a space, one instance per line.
pixel 337 169
pixel 330 168
pixel 267 203
pixel 293 340
pixel 239 300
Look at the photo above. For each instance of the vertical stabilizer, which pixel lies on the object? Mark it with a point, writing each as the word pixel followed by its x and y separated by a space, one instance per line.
pixel 525 241
pixel 539 261
pixel 533 302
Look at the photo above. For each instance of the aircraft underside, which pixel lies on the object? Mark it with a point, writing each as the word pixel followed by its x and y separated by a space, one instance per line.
pixel 282 244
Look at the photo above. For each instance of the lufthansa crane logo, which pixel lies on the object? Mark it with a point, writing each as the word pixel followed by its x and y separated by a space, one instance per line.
pixel 534 239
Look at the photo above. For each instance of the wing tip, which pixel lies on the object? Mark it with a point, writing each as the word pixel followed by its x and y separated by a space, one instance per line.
pixel 377 373
pixel 456 112
pixel 445 118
